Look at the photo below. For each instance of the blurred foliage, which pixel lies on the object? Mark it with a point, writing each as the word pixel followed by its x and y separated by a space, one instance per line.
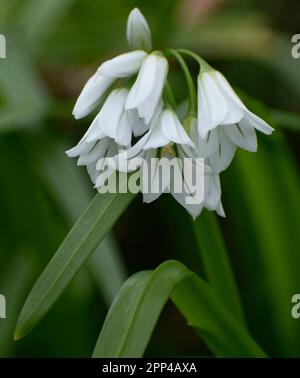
pixel 53 46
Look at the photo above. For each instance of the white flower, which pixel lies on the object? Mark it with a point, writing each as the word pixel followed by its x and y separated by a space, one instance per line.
pixel 220 144
pixel 124 65
pixel 168 129
pixel 222 125
pixel 217 147
pixel 165 129
pixel 218 105
pixel 224 122
pixel 146 93
pixel 112 120
pixel 138 32
pixel 212 186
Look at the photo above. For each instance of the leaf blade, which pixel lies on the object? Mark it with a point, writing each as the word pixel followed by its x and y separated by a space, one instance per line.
pixel 119 338
pixel 99 217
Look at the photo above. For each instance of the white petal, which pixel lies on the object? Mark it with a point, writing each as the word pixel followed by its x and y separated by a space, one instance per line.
pixel 208 145
pixel 144 83
pixel 173 130
pixel 226 87
pixel 96 153
pixel 157 138
pixel 146 93
pixel 220 210
pixel 235 107
pixel 121 160
pixel 94 132
pixel 91 95
pixel 138 126
pixel 234 112
pixel 147 111
pixel 193 209
pixel 254 121
pixel 212 107
pixel 109 116
pixel 124 131
pixel 213 192
pixel 249 117
pixel 150 178
pixel 123 65
pixel 138 32
pixel 92 171
pixel 83 147
pixel 242 135
pixel 221 159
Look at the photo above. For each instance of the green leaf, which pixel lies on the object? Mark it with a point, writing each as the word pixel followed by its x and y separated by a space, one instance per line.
pixel 135 312
pixel 79 244
pixel 267 192
pixel 216 262
pixel 220 330
pixel 67 186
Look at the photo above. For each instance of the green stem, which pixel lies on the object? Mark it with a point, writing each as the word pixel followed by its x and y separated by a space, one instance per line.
pixel 169 95
pixel 189 81
pixel 203 64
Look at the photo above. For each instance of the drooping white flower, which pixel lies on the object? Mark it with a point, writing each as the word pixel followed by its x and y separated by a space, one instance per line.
pixel 165 129
pixel 124 65
pixel 218 105
pixel 159 184
pixel 216 147
pixel 110 128
pixel 138 32
pixel 223 123
pixel 112 120
pixel 212 186
pixel 146 93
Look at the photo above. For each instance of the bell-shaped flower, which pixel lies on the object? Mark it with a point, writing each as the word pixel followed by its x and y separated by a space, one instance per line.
pixel 165 129
pixel 218 105
pixel 188 193
pixel 138 32
pixel 124 65
pixel 146 93
pixel 112 120
pixel 220 143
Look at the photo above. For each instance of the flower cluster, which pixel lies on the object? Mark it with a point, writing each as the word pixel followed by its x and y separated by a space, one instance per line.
pixel 139 119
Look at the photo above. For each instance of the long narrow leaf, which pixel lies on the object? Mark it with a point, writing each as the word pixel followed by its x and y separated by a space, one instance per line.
pixel 269 185
pixel 135 312
pixel 79 244
pixel 72 193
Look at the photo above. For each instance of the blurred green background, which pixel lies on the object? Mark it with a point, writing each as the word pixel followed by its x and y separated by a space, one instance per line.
pixel 53 47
